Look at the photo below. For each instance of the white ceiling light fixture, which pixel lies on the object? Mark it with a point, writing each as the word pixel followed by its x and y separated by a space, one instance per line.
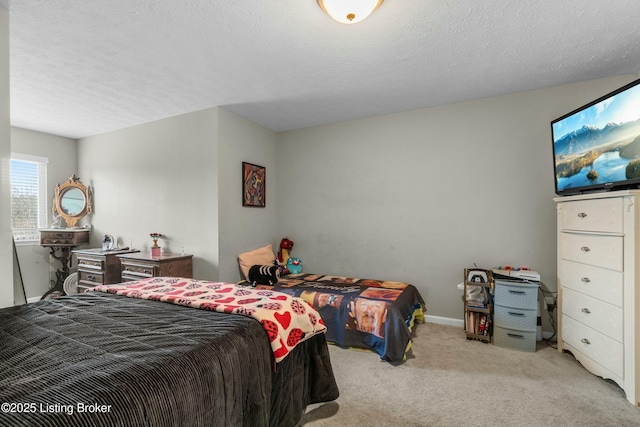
pixel 349 11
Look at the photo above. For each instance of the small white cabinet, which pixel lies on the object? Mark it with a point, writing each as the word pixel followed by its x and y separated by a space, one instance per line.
pixel 598 281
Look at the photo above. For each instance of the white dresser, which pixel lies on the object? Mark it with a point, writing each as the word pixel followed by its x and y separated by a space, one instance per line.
pixel 598 281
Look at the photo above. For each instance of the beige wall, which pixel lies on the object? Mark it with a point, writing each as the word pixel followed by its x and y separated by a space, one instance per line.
pixel 36 265
pixel 6 248
pixel 244 228
pixel 418 196
pixel 157 177
pixel 168 172
pixel 181 176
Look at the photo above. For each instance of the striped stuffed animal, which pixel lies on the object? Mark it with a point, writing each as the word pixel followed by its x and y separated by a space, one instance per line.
pixel 264 275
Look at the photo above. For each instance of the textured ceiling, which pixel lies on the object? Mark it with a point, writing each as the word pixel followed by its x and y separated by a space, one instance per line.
pixel 80 68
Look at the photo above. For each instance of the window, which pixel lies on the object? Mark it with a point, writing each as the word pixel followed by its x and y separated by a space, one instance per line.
pixel 28 196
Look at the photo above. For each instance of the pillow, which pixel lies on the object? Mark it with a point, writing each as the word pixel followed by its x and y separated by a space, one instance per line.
pixel 260 256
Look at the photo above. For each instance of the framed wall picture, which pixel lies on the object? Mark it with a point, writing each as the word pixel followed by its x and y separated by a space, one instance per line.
pixel 253 185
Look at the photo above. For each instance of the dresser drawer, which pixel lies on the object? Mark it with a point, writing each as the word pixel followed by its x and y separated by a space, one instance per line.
pixel 597 282
pixel 516 295
pixel 603 215
pixel 90 278
pixel 597 250
pixel 606 351
pixel 518 340
pixel 137 270
pixel 596 314
pixel 516 318
pixel 90 263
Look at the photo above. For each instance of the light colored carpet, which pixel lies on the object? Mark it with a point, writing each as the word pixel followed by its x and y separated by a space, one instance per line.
pixel 452 381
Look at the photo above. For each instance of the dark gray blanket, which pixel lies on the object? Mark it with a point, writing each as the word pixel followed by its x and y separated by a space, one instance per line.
pixel 105 360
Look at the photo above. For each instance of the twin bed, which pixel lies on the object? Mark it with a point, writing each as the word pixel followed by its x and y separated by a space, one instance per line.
pixel 378 315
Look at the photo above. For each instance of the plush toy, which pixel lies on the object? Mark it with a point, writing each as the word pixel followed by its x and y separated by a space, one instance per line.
pixel 263 275
pixel 294 265
pixel 283 254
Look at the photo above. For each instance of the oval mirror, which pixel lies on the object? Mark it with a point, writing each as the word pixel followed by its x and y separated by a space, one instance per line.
pixel 72 201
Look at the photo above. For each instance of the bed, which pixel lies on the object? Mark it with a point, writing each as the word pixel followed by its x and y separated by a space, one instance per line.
pixel 104 359
pixel 363 313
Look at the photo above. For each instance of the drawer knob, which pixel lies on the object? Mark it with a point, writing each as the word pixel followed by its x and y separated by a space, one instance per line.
pixel 585 249
pixel 586 280
pixel 586 311
pixel 585 341
pixel 582 215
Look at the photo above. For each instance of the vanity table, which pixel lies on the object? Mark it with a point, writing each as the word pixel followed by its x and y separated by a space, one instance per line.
pixel 61 241
pixel 72 201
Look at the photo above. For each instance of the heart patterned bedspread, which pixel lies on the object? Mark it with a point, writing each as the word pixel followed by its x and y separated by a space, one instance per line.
pixel 287 320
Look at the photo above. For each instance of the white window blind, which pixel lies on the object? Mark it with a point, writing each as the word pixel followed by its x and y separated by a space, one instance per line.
pixel 28 196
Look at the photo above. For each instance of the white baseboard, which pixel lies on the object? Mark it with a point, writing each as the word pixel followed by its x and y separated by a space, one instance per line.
pixel 444 321
pixel 33 299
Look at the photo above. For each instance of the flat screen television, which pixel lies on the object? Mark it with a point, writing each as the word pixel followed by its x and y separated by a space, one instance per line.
pixel 597 146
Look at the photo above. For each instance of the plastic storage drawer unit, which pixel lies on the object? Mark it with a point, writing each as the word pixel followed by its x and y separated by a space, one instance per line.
pixel 511 338
pixel 516 309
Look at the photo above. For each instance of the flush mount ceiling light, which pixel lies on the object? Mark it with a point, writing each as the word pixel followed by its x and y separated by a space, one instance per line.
pixel 349 11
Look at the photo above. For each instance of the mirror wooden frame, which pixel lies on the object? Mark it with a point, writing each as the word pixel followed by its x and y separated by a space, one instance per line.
pixel 61 189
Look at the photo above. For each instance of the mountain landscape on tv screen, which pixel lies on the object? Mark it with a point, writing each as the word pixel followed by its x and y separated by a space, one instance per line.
pixel 590 137
pixel 592 155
